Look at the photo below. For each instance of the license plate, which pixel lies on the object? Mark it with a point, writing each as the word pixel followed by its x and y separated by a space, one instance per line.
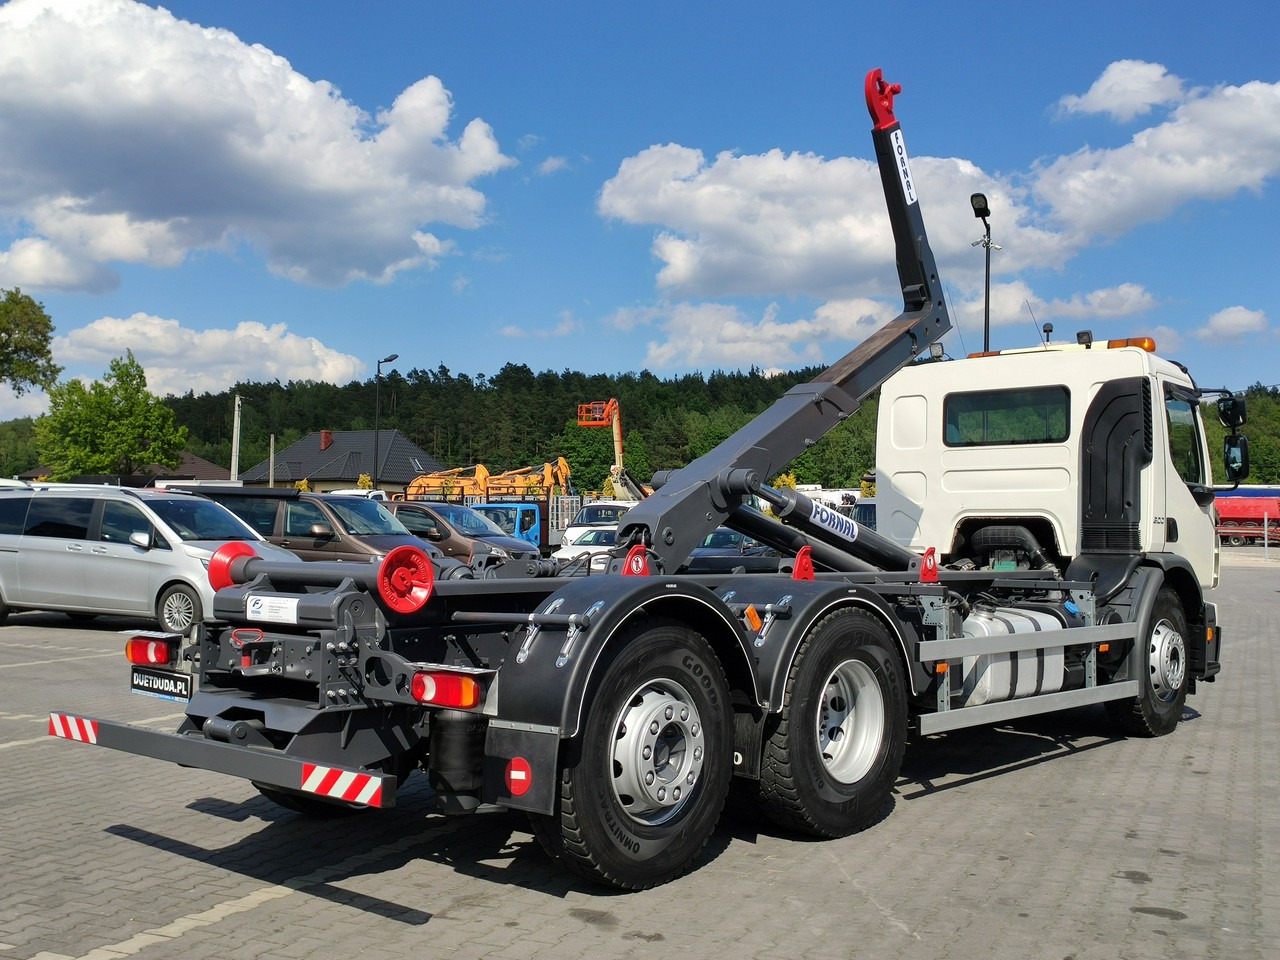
pixel 162 684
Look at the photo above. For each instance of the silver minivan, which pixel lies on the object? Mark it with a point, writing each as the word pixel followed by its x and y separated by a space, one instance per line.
pixel 114 550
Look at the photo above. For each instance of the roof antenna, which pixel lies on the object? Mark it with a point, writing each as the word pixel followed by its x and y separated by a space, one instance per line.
pixel 1046 330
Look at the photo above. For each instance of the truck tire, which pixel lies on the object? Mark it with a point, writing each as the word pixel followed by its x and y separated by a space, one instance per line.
pixel 642 788
pixel 831 761
pixel 178 609
pixel 1164 664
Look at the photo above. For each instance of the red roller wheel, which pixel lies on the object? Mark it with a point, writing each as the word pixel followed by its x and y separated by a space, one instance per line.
pixel 405 579
pixel 220 562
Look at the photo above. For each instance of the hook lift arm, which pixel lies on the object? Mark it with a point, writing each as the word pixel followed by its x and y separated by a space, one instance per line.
pixel 692 501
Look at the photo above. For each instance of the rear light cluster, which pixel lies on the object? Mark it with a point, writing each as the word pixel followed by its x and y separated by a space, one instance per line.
pixel 151 651
pixel 456 690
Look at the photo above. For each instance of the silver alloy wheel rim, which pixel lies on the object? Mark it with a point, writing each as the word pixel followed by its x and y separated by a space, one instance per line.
pixel 1168 661
pixel 658 751
pixel 851 725
pixel 179 612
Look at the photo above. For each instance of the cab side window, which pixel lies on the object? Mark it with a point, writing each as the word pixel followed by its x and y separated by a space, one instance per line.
pixel 63 517
pixel 1184 439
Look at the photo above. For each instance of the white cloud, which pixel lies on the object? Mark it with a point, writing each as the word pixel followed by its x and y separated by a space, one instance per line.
pixel 692 336
pixel 1126 89
pixel 552 165
pixel 30 404
pixel 1213 145
pixel 799 224
pixel 565 326
pixel 1233 323
pixel 186 138
pixel 35 262
pixel 779 224
pixel 248 352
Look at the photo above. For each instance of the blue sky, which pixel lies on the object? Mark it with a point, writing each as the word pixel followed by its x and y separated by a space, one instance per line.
pixel 292 190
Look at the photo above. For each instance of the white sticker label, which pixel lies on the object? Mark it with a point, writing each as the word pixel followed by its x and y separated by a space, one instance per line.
pixel 271 609
pixel 904 168
pixel 837 523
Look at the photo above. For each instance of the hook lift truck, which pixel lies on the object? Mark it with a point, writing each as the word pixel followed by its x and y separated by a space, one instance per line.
pixel 1046 542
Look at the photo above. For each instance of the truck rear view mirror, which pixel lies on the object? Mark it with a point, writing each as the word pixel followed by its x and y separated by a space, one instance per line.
pixel 1231 411
pixel 1235 456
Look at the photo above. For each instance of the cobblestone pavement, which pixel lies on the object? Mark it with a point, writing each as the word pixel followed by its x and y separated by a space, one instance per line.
pixel 1047 838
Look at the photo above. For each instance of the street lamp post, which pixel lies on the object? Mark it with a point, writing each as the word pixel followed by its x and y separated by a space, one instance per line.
pixel 980 209
pixel 377 404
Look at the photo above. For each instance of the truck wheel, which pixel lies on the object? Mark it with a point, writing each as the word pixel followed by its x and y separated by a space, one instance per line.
pixel 642 788
pixel 1156 710
pixel 831 762
pixel 178 609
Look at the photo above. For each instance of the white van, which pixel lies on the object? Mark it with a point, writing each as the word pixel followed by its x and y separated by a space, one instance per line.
pixel 89 550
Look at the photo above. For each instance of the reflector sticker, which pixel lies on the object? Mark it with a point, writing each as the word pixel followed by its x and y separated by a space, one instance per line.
pixel 73 728
pixel 340 784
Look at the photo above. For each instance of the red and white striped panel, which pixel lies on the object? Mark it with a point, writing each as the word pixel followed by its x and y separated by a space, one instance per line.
pixel 73 728
pixel 342 784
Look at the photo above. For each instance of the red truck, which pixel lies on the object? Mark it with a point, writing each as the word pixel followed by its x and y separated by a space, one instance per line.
pixel 1243 520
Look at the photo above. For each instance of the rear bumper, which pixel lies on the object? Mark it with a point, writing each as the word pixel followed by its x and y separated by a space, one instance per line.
pixel 260 765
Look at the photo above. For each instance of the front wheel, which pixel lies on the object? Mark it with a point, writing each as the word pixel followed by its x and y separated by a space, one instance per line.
pixel 642 788
pixel 1163 664
pixel 831 761
pixel 178 609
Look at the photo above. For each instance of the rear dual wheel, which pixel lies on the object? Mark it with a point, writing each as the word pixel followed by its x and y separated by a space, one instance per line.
pixel 833 757
pixel 642 788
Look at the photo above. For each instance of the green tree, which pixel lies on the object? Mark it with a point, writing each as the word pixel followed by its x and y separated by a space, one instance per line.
pixel 113 427
pixel 25 331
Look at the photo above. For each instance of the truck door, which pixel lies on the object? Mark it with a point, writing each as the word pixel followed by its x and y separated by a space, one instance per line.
pixel 1188 488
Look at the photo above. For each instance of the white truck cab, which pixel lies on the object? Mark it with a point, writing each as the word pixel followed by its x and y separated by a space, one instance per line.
pixel 1088 447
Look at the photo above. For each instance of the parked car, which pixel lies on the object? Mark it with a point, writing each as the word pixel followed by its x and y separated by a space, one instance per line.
pixel 114 550
pixel 723 542
pixel 598 513
pixel 318 526
pixel 864 511
pixel 461 532
pixel 723 550
pixel 596 542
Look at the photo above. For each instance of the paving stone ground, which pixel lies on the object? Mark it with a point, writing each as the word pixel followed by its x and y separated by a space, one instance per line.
pixel 1047 838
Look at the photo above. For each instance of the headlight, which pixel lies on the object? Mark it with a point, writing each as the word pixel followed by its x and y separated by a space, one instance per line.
pixel 499 552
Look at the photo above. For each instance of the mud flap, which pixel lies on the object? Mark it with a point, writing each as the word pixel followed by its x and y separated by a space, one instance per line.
pixel 521 762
